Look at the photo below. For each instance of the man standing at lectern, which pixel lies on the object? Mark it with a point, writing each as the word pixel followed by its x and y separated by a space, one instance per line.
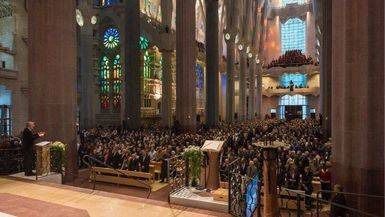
pixel 28 138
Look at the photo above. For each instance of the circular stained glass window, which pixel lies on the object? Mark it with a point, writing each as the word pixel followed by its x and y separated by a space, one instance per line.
pixel 111 38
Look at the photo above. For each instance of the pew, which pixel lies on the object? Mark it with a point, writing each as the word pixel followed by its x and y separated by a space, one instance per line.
pixel 123 177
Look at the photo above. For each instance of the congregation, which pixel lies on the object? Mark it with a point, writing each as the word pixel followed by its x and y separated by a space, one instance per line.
pixel 306 155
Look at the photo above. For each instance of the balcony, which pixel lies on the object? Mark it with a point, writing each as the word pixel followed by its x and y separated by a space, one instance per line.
pixel 8 74
pixel 302 91
pixel 277 71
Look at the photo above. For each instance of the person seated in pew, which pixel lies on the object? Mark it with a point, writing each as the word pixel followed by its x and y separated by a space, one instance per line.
pixel 133 164
pixel 144 161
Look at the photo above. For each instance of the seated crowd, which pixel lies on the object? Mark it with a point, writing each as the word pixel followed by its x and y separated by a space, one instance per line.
pixel 305 156
pixel 292 58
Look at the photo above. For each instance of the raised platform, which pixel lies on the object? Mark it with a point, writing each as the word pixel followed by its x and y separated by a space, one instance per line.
pixel 191 197
pixel 51 177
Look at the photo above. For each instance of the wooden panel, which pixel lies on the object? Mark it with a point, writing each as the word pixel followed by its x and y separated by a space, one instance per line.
pixel 120 180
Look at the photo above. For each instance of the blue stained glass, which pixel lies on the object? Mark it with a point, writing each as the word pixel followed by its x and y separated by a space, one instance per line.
pixel 286 2
pixel 293 35
pixel 110 2
pixel 199 72
pixel 111 38
pixel 288 100
pixel 105 3
pixel 5 96
pixel 299 80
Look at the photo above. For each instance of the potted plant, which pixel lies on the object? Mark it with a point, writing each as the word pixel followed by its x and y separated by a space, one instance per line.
pixel 194 156
pixel 57 152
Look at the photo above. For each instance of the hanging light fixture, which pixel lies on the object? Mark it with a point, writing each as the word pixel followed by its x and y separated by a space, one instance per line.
pixel 227 36
pixel 79 18
pixel 240 47
pixel 94 20
pixel 237 38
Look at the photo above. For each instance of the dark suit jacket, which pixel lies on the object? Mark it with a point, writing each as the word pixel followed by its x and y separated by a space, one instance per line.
pixel 28 139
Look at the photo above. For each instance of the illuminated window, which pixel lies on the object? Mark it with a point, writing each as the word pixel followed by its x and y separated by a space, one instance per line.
pixel 5 111
pixel 110 72
pixel 199 72
pixel 293 35
pixel 295 100
pixel 299 80
pixel 104 76
pixel 111 38
pixel 148 64
pixel 143 43
pixel 106 3
pixel 286 2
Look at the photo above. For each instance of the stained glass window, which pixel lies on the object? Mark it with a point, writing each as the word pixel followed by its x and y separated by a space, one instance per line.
pixel 117 75
pixel 143 43
pixel 110 74
pixel 148 61
pixel 199 72
pixel 105 3
pixel 293 35
pixel 111 38
pixel 286 2
pixel 298 100
pixel 105 74
pixel 299 80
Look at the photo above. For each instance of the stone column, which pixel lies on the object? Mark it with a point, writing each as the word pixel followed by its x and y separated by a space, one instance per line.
pixel 166 10
pixel 87 79
pixel 258 106
pixel 326 65
pixel 230 93
pixel 251 90
pixel 132 64
pixel 212 63
pixel 242 86
pixel 185 64
pixel 166 88
pixel 52 74
pixel 358 100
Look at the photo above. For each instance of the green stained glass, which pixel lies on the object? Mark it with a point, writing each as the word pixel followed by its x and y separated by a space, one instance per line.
pixel 104 74
pixel 148 64
pixel 143 43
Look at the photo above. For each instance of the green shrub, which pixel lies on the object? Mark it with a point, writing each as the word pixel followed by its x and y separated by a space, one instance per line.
pixel 57 152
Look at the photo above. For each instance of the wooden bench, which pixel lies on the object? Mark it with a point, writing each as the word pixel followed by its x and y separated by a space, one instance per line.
pixel 123 177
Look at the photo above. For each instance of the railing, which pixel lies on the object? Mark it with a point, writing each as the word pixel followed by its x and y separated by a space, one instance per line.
pixel 89 161
pixel 177 173
pixel 298 197
pixel 244 192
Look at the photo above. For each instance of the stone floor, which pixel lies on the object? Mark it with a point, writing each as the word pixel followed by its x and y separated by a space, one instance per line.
pixel 95 203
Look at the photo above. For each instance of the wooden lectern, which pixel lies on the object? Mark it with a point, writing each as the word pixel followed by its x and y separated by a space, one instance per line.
pixel 213 148
pixel 43 158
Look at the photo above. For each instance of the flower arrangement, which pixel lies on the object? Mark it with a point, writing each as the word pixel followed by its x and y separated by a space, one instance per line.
pixel 194 156
pixel 57 151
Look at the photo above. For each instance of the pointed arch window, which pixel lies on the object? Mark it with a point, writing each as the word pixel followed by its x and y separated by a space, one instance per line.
pixel 110 71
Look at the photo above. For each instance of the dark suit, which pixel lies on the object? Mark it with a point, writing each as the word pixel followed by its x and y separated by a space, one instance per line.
pixel 28 140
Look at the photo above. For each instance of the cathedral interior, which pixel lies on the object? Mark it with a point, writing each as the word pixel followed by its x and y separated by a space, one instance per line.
pixel 158 78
